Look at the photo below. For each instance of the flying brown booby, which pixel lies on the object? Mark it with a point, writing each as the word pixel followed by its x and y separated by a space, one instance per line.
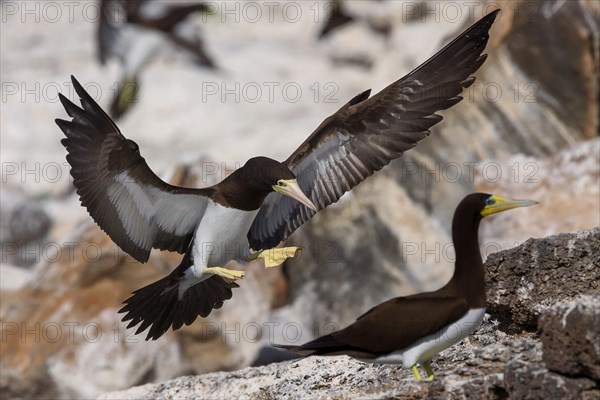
pixel 411 330
pixel 133 31
pixel 260 204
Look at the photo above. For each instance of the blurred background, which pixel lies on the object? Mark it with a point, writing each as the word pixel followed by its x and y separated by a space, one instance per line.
pixel 202 87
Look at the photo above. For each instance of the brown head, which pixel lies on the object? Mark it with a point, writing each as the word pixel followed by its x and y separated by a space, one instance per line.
pixel 249 185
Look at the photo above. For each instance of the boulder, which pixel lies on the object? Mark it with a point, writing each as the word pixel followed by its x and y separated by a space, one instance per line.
pixel 523 281
pixel 23 228
pixel 533 381
pixel 570 333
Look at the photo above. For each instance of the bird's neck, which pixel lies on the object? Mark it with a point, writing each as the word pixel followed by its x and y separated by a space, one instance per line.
pixel 238 191
pixel 468 279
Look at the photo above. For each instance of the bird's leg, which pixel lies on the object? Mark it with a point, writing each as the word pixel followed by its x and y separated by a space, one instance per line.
pixel 429 371
pixel 416 373
pixel 229 274
pixel 276 256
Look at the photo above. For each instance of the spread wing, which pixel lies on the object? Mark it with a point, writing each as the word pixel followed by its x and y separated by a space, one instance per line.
pixel 127 200
pixel 367 133
pixel 390 326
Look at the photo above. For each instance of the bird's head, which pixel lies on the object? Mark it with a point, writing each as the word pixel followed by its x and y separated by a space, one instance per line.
pixel 493 204
pixel 270 175
pixel 476 206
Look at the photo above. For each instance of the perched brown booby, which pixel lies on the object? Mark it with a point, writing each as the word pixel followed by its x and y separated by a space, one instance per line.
pixel 249 210
pixel 411 330
pixel 133 32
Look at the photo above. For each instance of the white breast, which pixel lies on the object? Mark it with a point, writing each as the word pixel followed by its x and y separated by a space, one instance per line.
pixel 425 348
pixel 221 237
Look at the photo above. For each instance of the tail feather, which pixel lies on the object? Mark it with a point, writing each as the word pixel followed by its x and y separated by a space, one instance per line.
pixel 323 345
pixel 159 305
pixel 328 345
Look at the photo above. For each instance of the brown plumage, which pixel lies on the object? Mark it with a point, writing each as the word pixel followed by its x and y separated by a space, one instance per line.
pixel 367 133
pixel 140 212
pixel 413 326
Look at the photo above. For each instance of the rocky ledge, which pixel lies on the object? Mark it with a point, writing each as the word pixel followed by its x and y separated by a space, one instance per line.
pixel 552 281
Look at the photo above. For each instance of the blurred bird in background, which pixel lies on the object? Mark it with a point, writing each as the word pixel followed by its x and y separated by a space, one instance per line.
pixel 133 32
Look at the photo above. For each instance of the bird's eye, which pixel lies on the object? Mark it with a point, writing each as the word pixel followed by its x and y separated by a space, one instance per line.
pixel 281 183
pixel 490 201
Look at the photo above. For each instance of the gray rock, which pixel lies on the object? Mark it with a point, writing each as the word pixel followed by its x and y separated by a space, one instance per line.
pixel 570 335
pixel 523 281
pixel 472 368
pixel 533 381
pixel 23 228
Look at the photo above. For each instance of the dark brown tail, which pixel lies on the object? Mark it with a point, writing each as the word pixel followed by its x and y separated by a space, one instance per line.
pixel 159 305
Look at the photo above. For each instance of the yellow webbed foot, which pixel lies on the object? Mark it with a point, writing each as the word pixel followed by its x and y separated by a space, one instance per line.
pixel 429 371
pixel 275 257
pixel 416 373
pixel 228 274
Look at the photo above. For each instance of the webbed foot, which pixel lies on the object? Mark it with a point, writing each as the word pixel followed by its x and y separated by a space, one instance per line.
pixel 228 274
pixel 276 256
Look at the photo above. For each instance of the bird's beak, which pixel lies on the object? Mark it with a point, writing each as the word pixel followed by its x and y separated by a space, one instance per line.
pixel 502 204
pixel 292 190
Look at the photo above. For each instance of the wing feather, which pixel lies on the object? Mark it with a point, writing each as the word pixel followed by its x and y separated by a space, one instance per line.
pixel 126 199
pixel 390 326
pixel 367 133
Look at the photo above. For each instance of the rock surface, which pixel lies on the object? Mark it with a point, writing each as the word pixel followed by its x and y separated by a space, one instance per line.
pixel 490 364
pixel 473 367
pixel 523 281
pixel 23 228
pixel 533 381
pixel 571 337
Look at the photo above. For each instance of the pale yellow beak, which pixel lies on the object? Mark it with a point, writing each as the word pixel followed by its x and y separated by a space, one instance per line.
pixel 496 204
pixel 290 188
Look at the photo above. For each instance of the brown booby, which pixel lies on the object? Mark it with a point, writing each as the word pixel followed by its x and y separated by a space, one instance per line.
pixel 133 32
pixel 411 330
pixel 263 202
pixel 338 17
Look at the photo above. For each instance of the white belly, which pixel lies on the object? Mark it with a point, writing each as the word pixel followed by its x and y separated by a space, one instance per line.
pixel 425 348
pixel 221 237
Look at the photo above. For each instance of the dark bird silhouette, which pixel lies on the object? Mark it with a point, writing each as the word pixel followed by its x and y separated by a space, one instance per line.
pixel 411 330
pixel 134 31
pixel 260 204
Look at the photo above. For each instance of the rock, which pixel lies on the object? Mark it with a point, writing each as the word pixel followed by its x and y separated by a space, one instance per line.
pixel 533 381
pixel 23 228
pixel 13 277
pixel 535 28
pixel 570 333
pixel 525 276
pixel 473 368
pixel 523 281
pixel 321 377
